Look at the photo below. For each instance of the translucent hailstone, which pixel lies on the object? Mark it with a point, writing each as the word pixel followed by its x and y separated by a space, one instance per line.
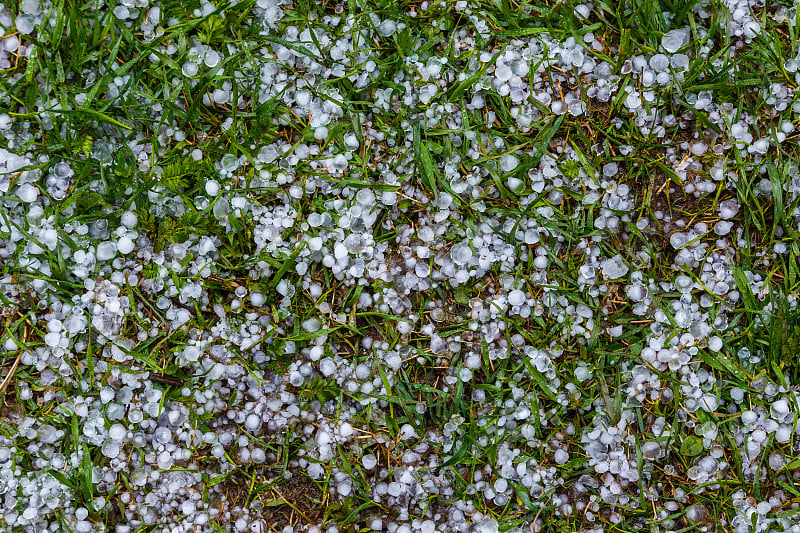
pixel 636 292
pixel 516 297
pixel 129 219
pixel 229 162
pixel 27 193
pixel 723 227
pixel 697 514
pixel 369 461
pixel 610 169
pixel 614 268
pixel 779 409
pixel 683 318
pixel 684 283
pixel 189 69
pixel 749 418
pixel 508 162
pixel 52 339
pixel 212 59
pixel 461 253
pixel 110 449
pixel 678 240
pixel 486 525
pixel 212 187
pixel 674 40
pixel 715 344
pixel 541 262
pixel 728 208
pixel 651 450
pixel 106 250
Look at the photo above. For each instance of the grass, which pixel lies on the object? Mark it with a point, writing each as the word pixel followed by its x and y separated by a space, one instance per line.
pixel 109 99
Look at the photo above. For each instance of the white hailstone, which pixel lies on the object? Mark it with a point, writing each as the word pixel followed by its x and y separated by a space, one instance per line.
pixel 560 457
pixel 106 250
pixel 683 318
pixel 110 449
pixel 516 297
pixel 189 69
pixel 678 240
pixel 212 58
pixel 369 461
pixel 651 450
pixel 52 339
pixel 328 367
pixel 252 422
pixel 258 455
pixel 541 262
pixel 515 184
pixel 776 461
pixel 636 292
pixel 323 437
pixel 674 40
pixel 610 169
pixel 508 162
pixel 728 208
pixel 683 283
pixel 311 325
pixel 783 434
pixel 129 219
pixel 461 253
pixel 212 187
pixel 117 432
pixel 28 193
pixel 487 525
pixel 257 298
pixel 749 418
pixel 125 245
pixel 715 344
pixel 723 227
pixel 779 409
pixel 106 394
pixel 614 268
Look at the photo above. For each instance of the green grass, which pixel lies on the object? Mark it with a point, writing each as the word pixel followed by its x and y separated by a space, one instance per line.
pixel 58 100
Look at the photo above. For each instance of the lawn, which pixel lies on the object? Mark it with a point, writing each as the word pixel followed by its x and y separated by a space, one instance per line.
pixel 372 265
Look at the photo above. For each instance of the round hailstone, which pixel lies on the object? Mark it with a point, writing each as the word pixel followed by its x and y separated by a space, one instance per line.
pixel 651 450
pixel 117 432
pixel 257 298
pixel 715 344
pixel 369 461
pixel 749 418
pixel 461 253
pixel 516 297
pixel 723 227
pixel 610 169
pixel 52 339
pixel 106 250
pixel 614 268
pixel 684 283
pixel 212 59
pixel 678 240
pixel 110 449
pixel 541 262
pixel 189 69
pixel 674 40
pixel 728 208
pixel 515 184
pixel 125 245
pixel 129 219
pixel 508 162
pixel 28 193
pixel 229 162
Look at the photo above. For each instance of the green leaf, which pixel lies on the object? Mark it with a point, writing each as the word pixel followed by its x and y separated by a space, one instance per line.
pixel 692 446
